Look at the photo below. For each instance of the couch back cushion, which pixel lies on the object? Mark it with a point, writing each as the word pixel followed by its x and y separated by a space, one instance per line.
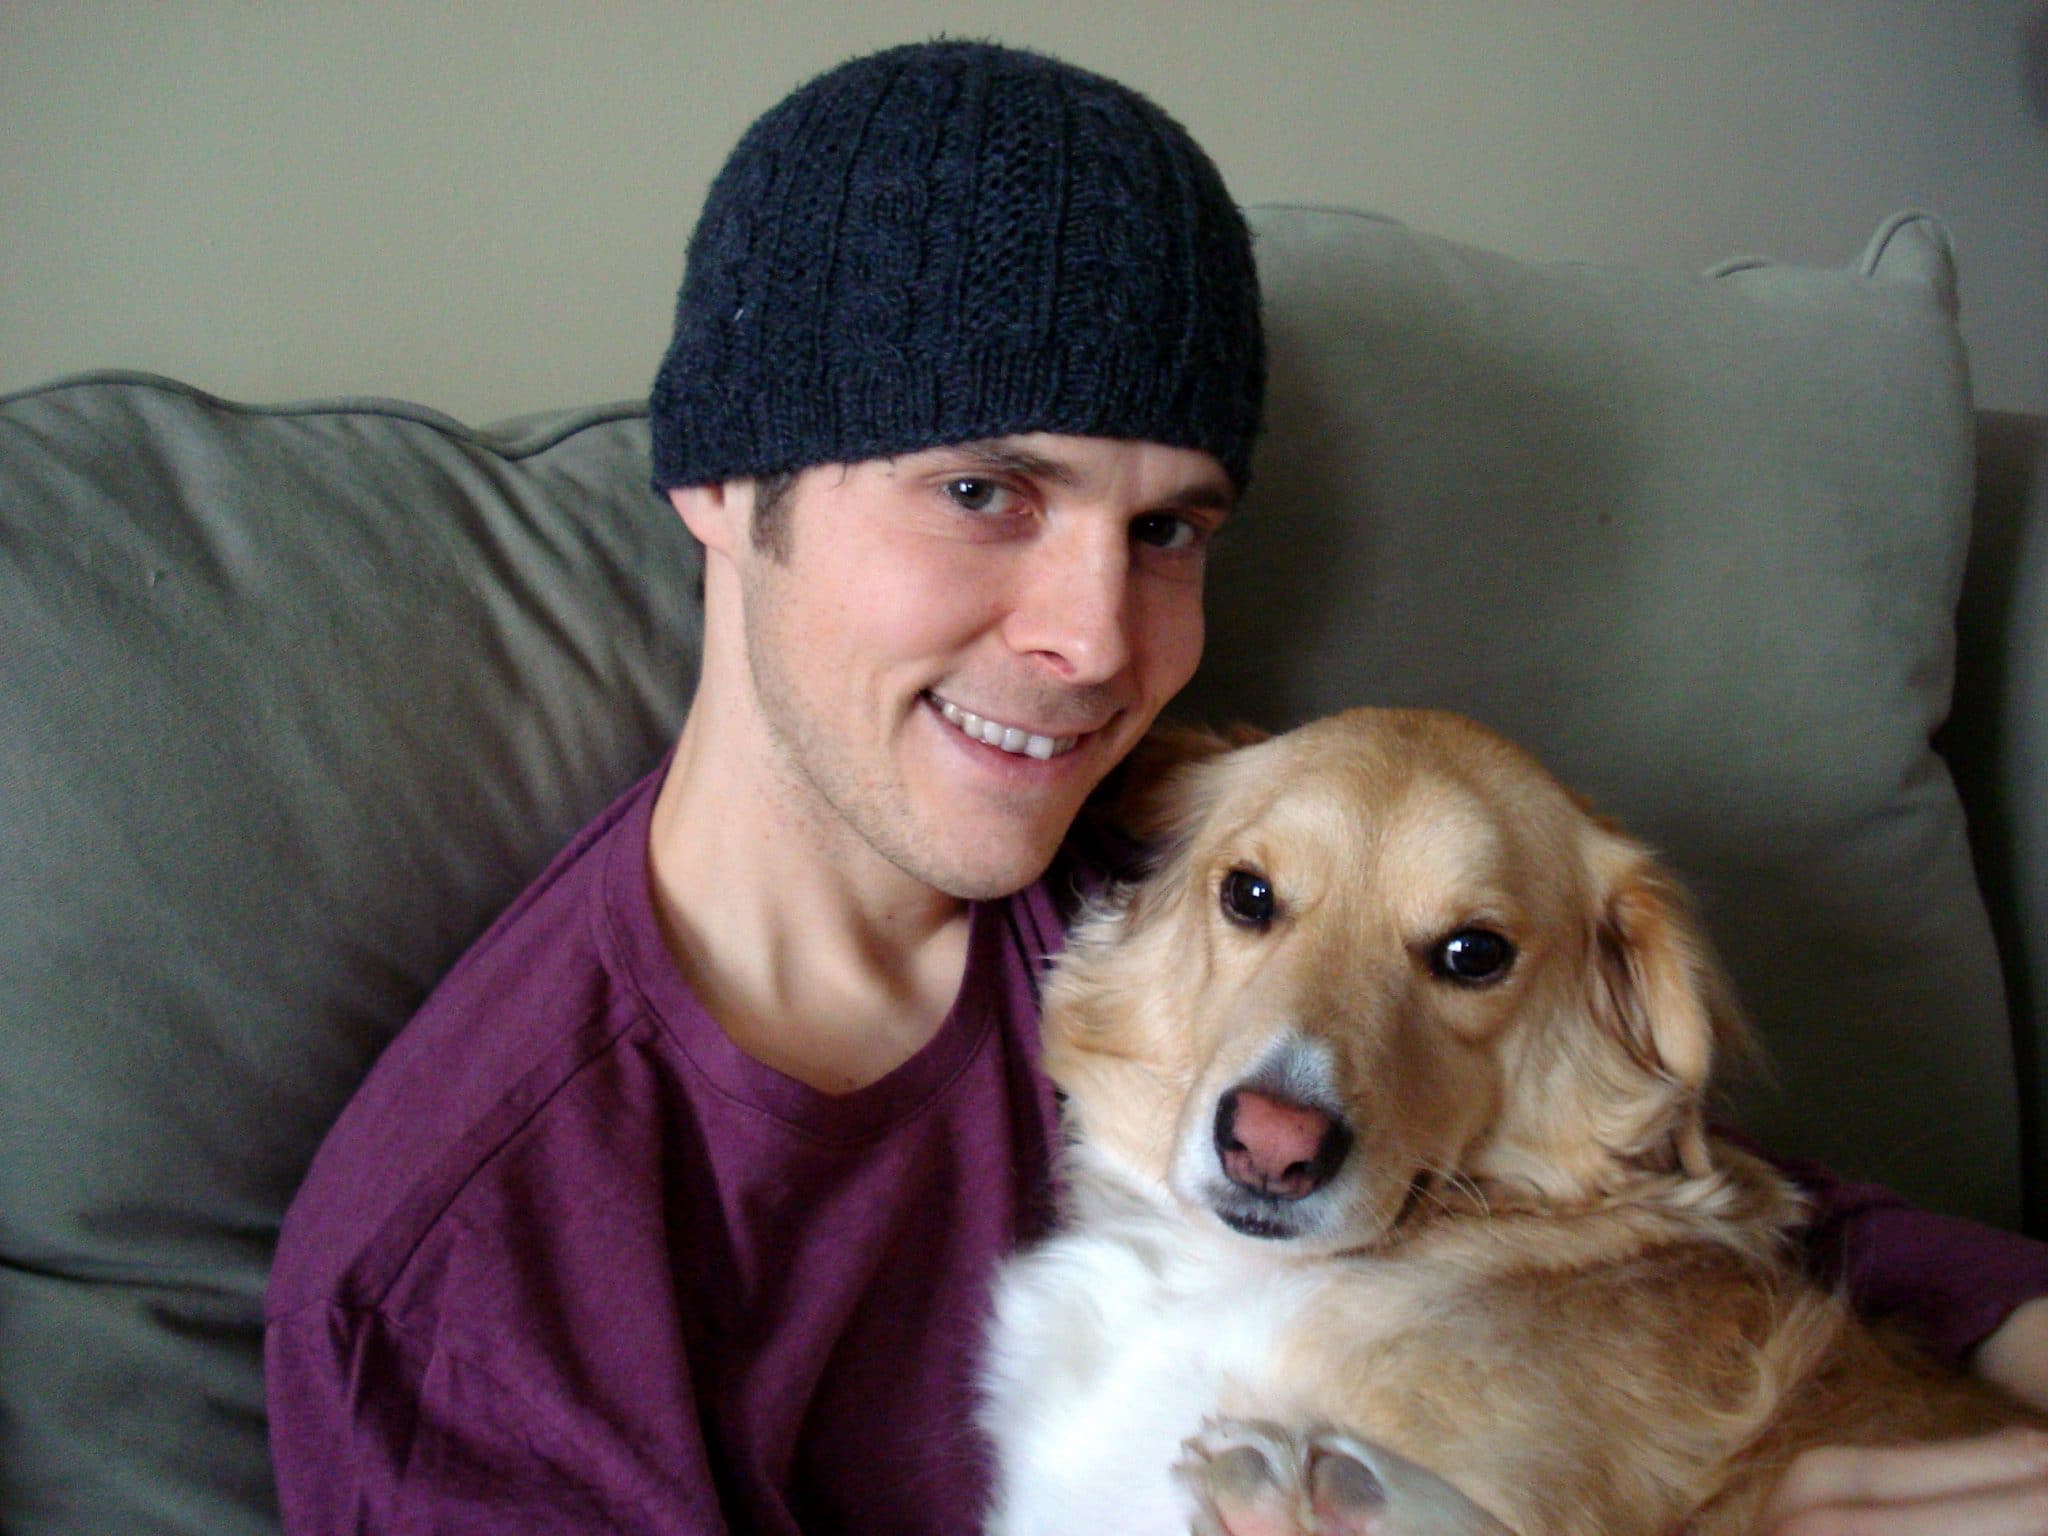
pixel 296 699
pixel 1698 542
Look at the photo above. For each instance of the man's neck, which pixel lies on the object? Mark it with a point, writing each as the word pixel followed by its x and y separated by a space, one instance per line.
pixel 829 965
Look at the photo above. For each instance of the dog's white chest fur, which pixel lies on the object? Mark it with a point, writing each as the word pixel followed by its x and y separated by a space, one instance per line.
pixel 1110 1348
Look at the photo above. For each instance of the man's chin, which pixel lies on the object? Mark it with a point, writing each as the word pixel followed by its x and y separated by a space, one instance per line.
pixel 990 885
pixel 992 873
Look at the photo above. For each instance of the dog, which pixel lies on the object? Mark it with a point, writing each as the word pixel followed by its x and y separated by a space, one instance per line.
pixel 1392 1203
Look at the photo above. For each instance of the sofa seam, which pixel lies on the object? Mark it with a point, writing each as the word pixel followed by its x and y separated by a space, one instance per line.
pixel 340 405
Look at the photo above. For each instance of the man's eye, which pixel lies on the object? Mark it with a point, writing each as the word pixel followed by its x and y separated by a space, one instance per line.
pixel 973 493
pixel 1166 530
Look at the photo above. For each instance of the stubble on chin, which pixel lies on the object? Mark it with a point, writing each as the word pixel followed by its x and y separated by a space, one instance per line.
pixel 832 802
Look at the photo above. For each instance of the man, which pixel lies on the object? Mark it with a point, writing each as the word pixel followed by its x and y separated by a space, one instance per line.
pixel 675 1209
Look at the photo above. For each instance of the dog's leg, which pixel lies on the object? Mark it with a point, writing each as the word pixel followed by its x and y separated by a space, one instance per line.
pixel 1258 1479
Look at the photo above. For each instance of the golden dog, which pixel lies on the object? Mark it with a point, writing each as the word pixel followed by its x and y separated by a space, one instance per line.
pixel 1389 1154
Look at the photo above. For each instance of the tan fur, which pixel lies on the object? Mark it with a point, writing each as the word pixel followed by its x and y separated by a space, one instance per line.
pixel 1537 1274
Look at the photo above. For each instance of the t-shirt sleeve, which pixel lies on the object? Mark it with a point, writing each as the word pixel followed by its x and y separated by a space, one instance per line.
pixel 377 1430
pixel 1949 1281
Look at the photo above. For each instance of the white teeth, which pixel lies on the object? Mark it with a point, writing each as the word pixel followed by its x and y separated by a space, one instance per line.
pixel 1008 738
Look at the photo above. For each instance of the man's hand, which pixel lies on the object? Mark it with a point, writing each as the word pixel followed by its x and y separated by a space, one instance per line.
pixel 1993 1486
pixel 2016 1356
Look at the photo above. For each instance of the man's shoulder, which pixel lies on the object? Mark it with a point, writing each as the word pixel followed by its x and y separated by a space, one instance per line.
pixel 536 1005
pixel 547 918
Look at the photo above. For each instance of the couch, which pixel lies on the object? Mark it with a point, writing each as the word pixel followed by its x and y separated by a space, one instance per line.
pixel 296 697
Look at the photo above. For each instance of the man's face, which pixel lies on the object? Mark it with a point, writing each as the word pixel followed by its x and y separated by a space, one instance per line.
pixel 953 647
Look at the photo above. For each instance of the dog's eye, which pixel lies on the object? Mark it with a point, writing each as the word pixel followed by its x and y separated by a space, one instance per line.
pixel 1248 898
pixel 1472 956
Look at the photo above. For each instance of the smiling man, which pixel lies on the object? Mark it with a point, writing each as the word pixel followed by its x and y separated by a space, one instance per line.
pixel 676 1208
pixel 908 692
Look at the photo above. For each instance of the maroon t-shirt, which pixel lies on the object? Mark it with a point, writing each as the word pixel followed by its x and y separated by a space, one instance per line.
pixel 571 1261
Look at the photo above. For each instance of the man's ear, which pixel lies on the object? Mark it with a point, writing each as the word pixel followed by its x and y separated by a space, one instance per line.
pixel 716 514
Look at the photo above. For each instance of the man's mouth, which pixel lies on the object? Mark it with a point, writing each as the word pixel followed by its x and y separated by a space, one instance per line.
pixel 1005 738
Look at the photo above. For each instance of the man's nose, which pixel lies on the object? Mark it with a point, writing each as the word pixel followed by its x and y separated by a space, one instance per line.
pixel 1072 605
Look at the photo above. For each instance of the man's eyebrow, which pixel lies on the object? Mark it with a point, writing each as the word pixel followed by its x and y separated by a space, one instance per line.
pixel 1205 495
pixel 1011 459
pixel 1202 496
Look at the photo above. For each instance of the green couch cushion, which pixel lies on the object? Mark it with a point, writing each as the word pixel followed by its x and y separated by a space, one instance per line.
pixel 295 701
pixel 1698 541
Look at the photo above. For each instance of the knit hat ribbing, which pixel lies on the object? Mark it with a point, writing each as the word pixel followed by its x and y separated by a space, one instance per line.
pixel 952 241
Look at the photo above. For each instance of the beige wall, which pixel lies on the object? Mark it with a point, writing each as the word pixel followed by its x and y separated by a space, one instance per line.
pixel 483 206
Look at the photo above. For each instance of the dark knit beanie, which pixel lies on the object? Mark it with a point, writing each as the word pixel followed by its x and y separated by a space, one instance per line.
pixel 951 241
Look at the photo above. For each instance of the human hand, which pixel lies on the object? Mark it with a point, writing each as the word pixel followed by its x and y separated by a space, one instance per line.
pixel 1996 1485
pixel 2016 1356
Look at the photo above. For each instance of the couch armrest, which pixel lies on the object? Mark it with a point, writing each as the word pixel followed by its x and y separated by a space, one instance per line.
pixel 1996 742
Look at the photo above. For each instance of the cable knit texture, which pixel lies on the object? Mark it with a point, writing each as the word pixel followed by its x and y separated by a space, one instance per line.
pixel 951 241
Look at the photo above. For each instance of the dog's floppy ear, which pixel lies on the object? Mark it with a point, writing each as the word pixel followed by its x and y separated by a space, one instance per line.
pixel 1661 994
pixel 1138 800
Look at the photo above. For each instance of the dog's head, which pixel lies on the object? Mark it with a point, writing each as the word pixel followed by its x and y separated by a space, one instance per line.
pixel 1384 963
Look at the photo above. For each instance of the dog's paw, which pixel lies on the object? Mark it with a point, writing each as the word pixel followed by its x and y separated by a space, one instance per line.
pixel 1257 1479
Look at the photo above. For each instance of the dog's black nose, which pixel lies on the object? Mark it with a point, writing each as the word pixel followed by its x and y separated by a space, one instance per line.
pixel 1276 1147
